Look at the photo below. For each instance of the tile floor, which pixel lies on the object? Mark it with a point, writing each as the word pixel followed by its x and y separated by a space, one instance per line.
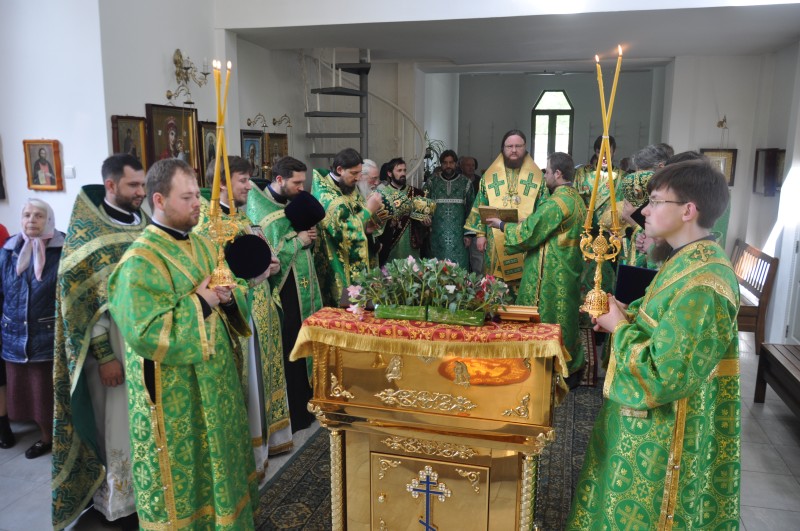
pixel 770 466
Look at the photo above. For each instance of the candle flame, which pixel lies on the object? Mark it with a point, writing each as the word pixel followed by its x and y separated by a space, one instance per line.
pixel 229 65
pixel 597 58
pixel 619 48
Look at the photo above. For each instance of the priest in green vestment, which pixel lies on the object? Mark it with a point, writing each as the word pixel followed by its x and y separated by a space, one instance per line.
pixel 91 446
pixel 404 234
pixel 453 194
pixel 550 239
pixel 192 463
pixel 296 284
pixel 342 248
pixel 665 449
pixel 512 181
pixel 261 364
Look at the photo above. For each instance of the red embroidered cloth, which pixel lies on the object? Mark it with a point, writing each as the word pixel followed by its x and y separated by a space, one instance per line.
pixel 343 329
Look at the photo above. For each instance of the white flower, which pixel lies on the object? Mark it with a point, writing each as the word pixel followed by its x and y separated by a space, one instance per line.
pixel 450 289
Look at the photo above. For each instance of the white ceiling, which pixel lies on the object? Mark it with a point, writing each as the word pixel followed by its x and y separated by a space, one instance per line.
pixel 552 42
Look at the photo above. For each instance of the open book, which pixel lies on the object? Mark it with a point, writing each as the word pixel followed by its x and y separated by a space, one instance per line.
pixel 509 215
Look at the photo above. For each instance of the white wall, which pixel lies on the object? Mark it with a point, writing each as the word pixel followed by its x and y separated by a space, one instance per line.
pixel 777 87
pixel 52 90
pixel 102 58
pixel 441 108
pixel 704 89
pixel 491 104
pixel 270 83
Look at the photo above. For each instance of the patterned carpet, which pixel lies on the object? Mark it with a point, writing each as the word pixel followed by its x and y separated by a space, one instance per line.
pixel 299 496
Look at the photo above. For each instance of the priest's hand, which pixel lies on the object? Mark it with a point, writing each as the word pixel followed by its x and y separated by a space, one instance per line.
pixel 467 241
pixel 272 269
pixel 493 223
pixel 374 202
pixel 480 243
pixel 209 295
pixel 111 373
pixel 274 266
pixel 224 294
pixel 305 238
pixel 312 233
pixel 609 321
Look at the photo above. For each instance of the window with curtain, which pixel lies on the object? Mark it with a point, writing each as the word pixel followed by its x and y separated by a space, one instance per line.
pixel 552 119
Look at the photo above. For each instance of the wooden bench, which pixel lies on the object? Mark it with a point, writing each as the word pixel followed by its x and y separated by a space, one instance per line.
pixel 779 366
pixel 756 274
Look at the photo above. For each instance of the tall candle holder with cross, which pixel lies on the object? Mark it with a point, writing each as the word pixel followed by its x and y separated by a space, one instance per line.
pixel 599 248
pixel 222 230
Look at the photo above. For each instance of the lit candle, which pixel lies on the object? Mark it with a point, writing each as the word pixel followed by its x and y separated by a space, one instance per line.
pixel 225 159
pixel 590 212
pixel 602 89
pixel 215 184
pixel 614 218
pixel 614 86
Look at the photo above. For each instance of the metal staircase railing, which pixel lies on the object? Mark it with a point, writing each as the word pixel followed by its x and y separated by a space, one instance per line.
pixel 361 91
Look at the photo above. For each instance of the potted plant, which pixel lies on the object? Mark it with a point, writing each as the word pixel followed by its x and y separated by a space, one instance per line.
pixel 403 289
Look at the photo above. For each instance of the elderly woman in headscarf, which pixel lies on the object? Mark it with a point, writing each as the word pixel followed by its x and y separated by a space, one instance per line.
pixel 28 271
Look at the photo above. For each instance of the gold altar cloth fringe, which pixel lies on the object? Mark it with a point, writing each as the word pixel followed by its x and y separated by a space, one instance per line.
pixel 340 328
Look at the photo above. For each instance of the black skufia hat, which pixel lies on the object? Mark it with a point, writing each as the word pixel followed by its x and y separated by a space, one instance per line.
pixel 248 256
pixel 304 211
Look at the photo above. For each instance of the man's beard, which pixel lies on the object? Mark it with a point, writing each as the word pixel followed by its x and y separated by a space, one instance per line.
pixel 398 182
pixel 448 173
pixel 283 191
pixel 364 188
pixel 346 189
pixel 514 164
pixel 127 204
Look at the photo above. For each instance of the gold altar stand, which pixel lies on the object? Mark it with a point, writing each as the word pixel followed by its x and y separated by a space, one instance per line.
pixel 432 426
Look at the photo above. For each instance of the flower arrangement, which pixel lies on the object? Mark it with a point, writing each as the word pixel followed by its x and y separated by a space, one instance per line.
pixel 440 285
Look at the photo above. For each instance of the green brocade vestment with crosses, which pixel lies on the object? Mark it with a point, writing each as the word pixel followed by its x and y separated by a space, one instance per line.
pixel 342 246
pixel 453 200
pixel 550 239
pixel 266 320
pixel 665 449
pixel 263 210
pixel 192 461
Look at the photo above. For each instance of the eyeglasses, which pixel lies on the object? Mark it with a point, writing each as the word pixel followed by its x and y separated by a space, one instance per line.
pixel 657 202
pixel 516 146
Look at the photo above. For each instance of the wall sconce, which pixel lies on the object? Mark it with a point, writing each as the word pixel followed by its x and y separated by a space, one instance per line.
pixel 185 73
pixel 259 120
pixel 282 120
pixel 722 125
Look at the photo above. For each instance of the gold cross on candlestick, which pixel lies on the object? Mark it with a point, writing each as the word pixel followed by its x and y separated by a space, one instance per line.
pixel 600 248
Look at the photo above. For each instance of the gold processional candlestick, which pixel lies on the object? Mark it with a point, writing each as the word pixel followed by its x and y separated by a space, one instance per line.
pixel 221 230
pixel 599 248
